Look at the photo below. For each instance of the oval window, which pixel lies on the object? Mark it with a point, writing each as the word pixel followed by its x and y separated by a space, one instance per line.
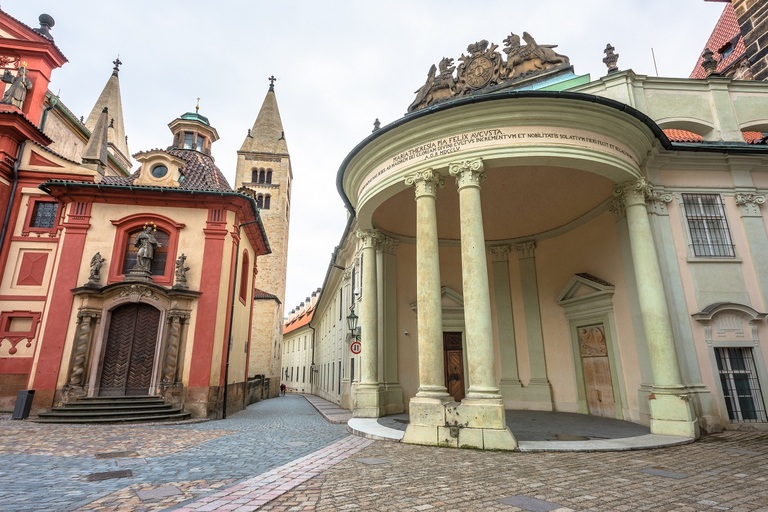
pixel 159 171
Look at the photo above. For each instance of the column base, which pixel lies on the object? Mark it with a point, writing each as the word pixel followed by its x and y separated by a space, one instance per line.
pixel 475 424
pixel 673 415
pixel 393 398
pixel 369 403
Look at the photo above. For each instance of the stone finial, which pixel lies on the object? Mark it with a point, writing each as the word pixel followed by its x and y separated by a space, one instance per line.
pixel 709 63
pixel 611 59
pixel 376 125
pixel 46 22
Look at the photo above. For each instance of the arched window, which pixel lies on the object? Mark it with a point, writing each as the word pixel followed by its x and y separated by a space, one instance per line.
pixel 259 201
pixel 261 176
pixel 254 176
pixel 266 201
pixel 269 176
pixel 244 278
pixel 159 256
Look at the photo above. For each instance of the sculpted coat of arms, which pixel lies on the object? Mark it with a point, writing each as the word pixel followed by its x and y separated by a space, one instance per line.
pixel 484 68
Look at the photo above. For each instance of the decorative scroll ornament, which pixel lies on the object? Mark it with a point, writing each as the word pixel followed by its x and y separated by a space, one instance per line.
pixel 426 182
pixel 634 192
pixel 485 70
pixel 525 249
pixel 750 203
pixel 369 237
pixel 500 253
pixel 468 172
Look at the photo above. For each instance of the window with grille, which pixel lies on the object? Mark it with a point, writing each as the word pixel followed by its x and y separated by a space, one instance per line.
pixel 43 214
pixel 707 225
pixel 741 388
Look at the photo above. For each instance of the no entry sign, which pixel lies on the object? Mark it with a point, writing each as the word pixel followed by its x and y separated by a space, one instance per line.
pixel 356 347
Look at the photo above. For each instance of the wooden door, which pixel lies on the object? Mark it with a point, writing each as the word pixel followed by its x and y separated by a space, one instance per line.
pixel 597 371
pixel 454 365
pixel 129 355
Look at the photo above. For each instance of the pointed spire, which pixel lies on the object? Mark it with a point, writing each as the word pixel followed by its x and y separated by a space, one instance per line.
pixel 267 135
pixel 110 98
pixel 96 150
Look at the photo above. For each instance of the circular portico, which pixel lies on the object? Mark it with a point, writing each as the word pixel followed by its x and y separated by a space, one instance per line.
pixel 464 184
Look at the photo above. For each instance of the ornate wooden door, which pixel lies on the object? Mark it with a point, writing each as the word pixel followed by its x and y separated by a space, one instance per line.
pixel 130 352
pixel 597 371
pixel 454 365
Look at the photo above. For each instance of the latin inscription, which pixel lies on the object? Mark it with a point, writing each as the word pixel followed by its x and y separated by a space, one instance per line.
pixel 480 138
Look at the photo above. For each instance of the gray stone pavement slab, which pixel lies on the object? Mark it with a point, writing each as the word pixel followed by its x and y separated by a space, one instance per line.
pixel 530 504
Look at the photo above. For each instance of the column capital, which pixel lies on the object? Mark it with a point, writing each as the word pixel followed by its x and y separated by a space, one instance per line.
pixel 388 245
pixel 525 249
pixel 468 173
pixel 369 237
pixel 500 253
pixel 616 207
pixel 425 182
pixel 634 192
pixel 750 204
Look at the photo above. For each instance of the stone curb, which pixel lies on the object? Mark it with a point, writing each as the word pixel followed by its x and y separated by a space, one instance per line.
pixel 327 418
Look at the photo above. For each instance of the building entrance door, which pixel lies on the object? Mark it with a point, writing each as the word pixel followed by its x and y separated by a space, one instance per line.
pixel 130 352
pixel 454 365
pixel 597 371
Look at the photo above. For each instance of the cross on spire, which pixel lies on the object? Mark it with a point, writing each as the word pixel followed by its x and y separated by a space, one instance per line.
pixel 272 82
pixel 197 107
pixel 117 63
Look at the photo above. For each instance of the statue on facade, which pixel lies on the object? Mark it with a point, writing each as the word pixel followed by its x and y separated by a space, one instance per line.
pixel 96 262
pixel 531 57
pixel 147 243
pixel 438 85
pixel 20 84
pixel 181 272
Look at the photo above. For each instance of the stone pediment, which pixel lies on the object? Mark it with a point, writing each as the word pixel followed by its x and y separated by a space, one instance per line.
pixel 450 299
pixel 484 69
pixel 584 287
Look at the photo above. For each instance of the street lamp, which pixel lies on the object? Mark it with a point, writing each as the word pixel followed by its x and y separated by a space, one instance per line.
pixel 352 319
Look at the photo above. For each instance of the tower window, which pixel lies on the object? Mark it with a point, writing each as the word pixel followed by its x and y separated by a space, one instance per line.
pixel 269 176
pixel 259 201
pixel 261 176
pixel 200 142
pixel 266 201
pixel 189 140
pixel 254 176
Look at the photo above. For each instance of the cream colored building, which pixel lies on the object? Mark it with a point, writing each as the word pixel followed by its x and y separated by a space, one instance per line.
pixel 541 241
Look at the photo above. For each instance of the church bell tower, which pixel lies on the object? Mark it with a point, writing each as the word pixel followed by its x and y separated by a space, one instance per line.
pixel 264 172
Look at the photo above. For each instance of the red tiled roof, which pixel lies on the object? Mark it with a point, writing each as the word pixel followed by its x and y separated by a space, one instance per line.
pixel 675 135
pixel 726 30
pixel 299 321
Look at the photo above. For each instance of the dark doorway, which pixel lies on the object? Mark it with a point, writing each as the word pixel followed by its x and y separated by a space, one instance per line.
pixel 130 352
pixel 454 364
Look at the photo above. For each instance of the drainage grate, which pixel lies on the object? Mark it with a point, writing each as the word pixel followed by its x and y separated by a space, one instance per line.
pixel 371 460
pixel 663 472
pixel 528 503
pixel 108 475
pixel 114 455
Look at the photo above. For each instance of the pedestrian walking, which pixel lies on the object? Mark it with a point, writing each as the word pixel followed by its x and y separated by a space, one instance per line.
pixel 282 389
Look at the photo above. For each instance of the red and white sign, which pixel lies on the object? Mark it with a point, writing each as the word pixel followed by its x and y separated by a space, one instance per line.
pixel 356 347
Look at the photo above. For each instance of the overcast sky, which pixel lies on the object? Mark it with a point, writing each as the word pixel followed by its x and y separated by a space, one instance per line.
pixel 339 64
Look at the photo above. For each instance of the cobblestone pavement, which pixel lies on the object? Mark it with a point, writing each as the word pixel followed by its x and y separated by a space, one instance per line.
pixel 727 471
pixel 47 467
pixel 280 455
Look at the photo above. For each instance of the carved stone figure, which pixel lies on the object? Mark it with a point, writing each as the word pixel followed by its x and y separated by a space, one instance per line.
pixel 20 84
pixel 147 243
pixel 480 68
pixel 610 59
pixel 530 58
pixel 96 262
pixel 181 271
pixel 437 86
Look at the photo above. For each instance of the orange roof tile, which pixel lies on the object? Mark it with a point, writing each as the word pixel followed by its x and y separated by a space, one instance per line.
pixel 299 321
pixel 675 135
pixel 726 31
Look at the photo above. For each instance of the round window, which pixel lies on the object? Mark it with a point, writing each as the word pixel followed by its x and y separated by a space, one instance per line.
pixel 159 171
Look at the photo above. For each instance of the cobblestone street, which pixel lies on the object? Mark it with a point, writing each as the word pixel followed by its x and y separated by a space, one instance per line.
pixel 281 454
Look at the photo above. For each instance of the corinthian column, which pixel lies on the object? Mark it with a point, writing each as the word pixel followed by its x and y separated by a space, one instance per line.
pixel 474 270
pixel 671 410
pixel 368 403
pixel 429 313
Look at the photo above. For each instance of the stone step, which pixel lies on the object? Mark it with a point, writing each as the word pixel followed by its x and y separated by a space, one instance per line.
pixel 132 419
pixel 107 403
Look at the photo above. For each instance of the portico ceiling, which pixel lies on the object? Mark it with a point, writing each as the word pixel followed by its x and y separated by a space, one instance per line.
pixel 517 202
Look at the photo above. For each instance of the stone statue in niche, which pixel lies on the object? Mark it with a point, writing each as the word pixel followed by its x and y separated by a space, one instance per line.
pixel 147 243
pixel 96 263
pixel 20 84
pixel 181 272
